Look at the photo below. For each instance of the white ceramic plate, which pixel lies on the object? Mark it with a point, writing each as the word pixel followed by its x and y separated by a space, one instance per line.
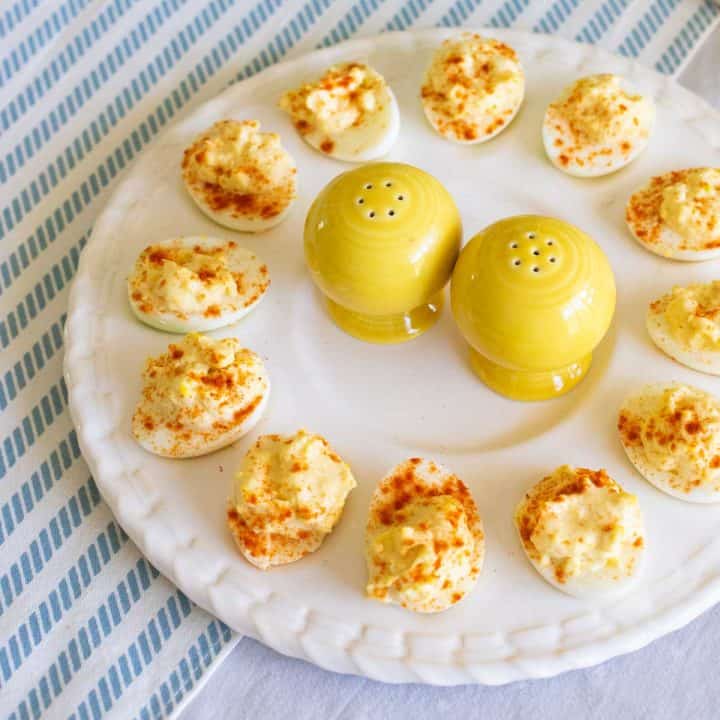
pixel 378 405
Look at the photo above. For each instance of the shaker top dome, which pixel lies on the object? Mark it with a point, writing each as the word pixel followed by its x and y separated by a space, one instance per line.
pixel 382 239
pixel 533 293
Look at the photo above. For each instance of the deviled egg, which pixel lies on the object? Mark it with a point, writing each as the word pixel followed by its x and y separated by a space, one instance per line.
pixel 582 532
pixel 671 434
pixel 289 494
pixel 685 324
pixel 473 88
pixel 677 215
pixel 597 126
pixel 349 113
pixel 199 396
pixel 195 284
pixel 424 542
pixel 239 177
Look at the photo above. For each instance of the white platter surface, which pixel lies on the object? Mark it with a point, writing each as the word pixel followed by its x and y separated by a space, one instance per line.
pixel 378 405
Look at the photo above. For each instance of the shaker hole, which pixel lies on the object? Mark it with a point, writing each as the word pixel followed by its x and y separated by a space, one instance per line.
pixel 371 214
pixel 360 201
pixel 388 183
pixel 516 262
pixel 552 259
pixel 513 245
pixel 391 213
pixel 368 186
pixel 549 243
pixel 531 236
pixel 400 197
pixel 535 269
pixel 536 252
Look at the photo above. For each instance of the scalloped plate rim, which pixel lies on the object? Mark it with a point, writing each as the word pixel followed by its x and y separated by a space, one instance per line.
pixel 408 667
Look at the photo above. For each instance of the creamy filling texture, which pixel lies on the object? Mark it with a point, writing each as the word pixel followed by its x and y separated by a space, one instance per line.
pixel 473 85
pixel 580 523
pixel 343 98
pixel 692 314
pixel 201 384
pixel 599 112
pixel 683 437
pixel 426 553
pixel 691 206
pixel 236 157
pixel 291 484
pixel 183 280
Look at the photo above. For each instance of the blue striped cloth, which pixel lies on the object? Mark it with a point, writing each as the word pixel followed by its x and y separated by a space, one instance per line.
pixel 88 628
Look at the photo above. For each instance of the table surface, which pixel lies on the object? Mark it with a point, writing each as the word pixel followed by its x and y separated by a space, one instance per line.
pixel 674 677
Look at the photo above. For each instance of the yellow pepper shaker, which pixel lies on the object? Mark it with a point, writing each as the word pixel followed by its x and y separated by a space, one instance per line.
pixel 532 296
pixel 380 243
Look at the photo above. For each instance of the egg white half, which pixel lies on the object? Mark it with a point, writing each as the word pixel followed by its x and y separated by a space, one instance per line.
pixel 431 475
pixel 165 442
pixel 588 587
pixel 654 235
pixel 437 120
pixel 670 245
pixel 706 361
pixel 295 537
pixel 370 140
pixel 592 587
pixel 240 260
pixel 647 402
pixel 596 160
pixel 586 160
pixel 240 223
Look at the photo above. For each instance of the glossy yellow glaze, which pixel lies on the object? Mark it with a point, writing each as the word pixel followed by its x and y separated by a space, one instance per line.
pixel 380 243
pixel 532 296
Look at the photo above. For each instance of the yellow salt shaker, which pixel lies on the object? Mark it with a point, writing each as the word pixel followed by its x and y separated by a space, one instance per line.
pixel 532 296
pixel 380 243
